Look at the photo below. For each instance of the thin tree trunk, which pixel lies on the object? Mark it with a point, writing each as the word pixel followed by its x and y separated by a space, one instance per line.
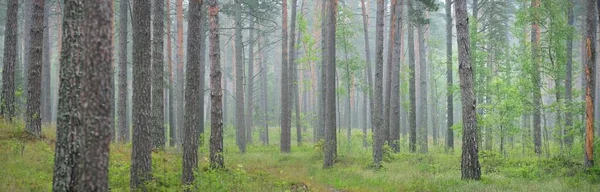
pixel 123 124
pixel 368 72
pixel 141 161
pixel 95 93
pixel 323 78
pixel 46 103
pixel 470 168
pixel 388 73
pixel 171 103
pixel 412 119
pixel 216 94
pixel 239 81
pixel 422 86
pixel 179 82
pixel 285 89
pixel 536 81
pixel 265 96
pixel 591 24
pixel 394 117
pixel 250 82
pixel 27 24
pixel 449 84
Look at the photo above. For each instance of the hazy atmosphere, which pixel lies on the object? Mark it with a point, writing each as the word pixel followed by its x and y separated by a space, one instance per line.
pixel 299 95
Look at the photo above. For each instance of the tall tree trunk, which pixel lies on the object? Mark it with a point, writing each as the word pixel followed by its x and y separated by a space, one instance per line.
pixel 171 108
pixel 378 94
pixel 285 89
pixel 264 84
pixel 250 82
pixel 568 135
pixel 368 72
pixel 293 49
pixel 27 24
pixel 96 85
pixel 323 77
pixel 449 83
pixel 158 136
pixel 123 124
pixel 46 103
pixel 9 61
pixel 536 80
pixel 330 151
pixel 34 122
pixel 141 161
pixel 202 81
pixel 394 117
pixel 216 94
pixel 179 82
pixel 68 128
pixel 470 168
pixel 422 86
pixel 412 119
pixel 239 81
pixel 590 62
pixel 388 73
pixel 192 93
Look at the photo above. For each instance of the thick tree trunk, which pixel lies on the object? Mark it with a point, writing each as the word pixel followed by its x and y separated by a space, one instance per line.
pixel 96 85
pixel 330 151
pixel 239 81
pixel 34 122
pixel 27 24
pixel 449 83
pixel 323 77
pixel 68 128
pixel 192 93
pixel 123 124
pixel 422 87
pixel 394 117
pixel 378 94
pixel 536 81
pixel 412 119
pixel 158 136
pixel 590 62
pixel 470 168
pixel 141 161
pixel 7 106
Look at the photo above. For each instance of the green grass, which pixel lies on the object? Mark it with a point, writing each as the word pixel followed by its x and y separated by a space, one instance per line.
pixel 26 165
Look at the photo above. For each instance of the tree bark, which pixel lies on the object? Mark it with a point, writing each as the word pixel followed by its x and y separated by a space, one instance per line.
pixel 378 94
pixel 323 78
pixel 158 136
pixel 239 81
pixel 394 117
pixel 123 124
pixel 265 96
pixel 293 83
pixel 68 128
pixel 179 82
pixel 536 80
pixel 330 151
pixel 46 103
pixel 141 161
pixel 286 111
pixel 192 93
pixel 422 86
pixel 368 72
pixel 27 24
pixel 216 94
pixel 590 62
pixel 250 82
pixel 387 90
pixel 412 119
pixel 449 81
pixel 96 85
pixel 171 102
pixel 34 122
pixel 9 61
pixel 470 168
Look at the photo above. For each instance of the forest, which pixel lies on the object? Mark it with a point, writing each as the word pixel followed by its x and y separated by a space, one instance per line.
pixel 299 95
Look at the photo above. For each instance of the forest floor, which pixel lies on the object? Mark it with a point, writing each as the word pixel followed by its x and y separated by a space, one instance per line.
pixel 26 165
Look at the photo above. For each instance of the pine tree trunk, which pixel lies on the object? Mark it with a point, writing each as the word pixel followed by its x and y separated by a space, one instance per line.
pixel 68 128
pixel 239 81
pixel 330 147
pixel 412 119
pixel 470 168
pixel 179 82
pixel 202 86
pixel 34 122
pixel 394 117
pixel 141 161
pixel 590 58
pixel 286 111
pixel 536 81
pixel 449 81
pixel 293 83
pixel 323 77
pixel 7 106
pixel 158 136
pixel 216 94
pixel 96 85
pixel 368 72
pixel 378 94
pixel 422 86
pixel 192 93
pixel 171 103
pixel 27 24
pixel 123 124
pixel 46 102
pixel 265 96
pixel 250 82
pixel 388 73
